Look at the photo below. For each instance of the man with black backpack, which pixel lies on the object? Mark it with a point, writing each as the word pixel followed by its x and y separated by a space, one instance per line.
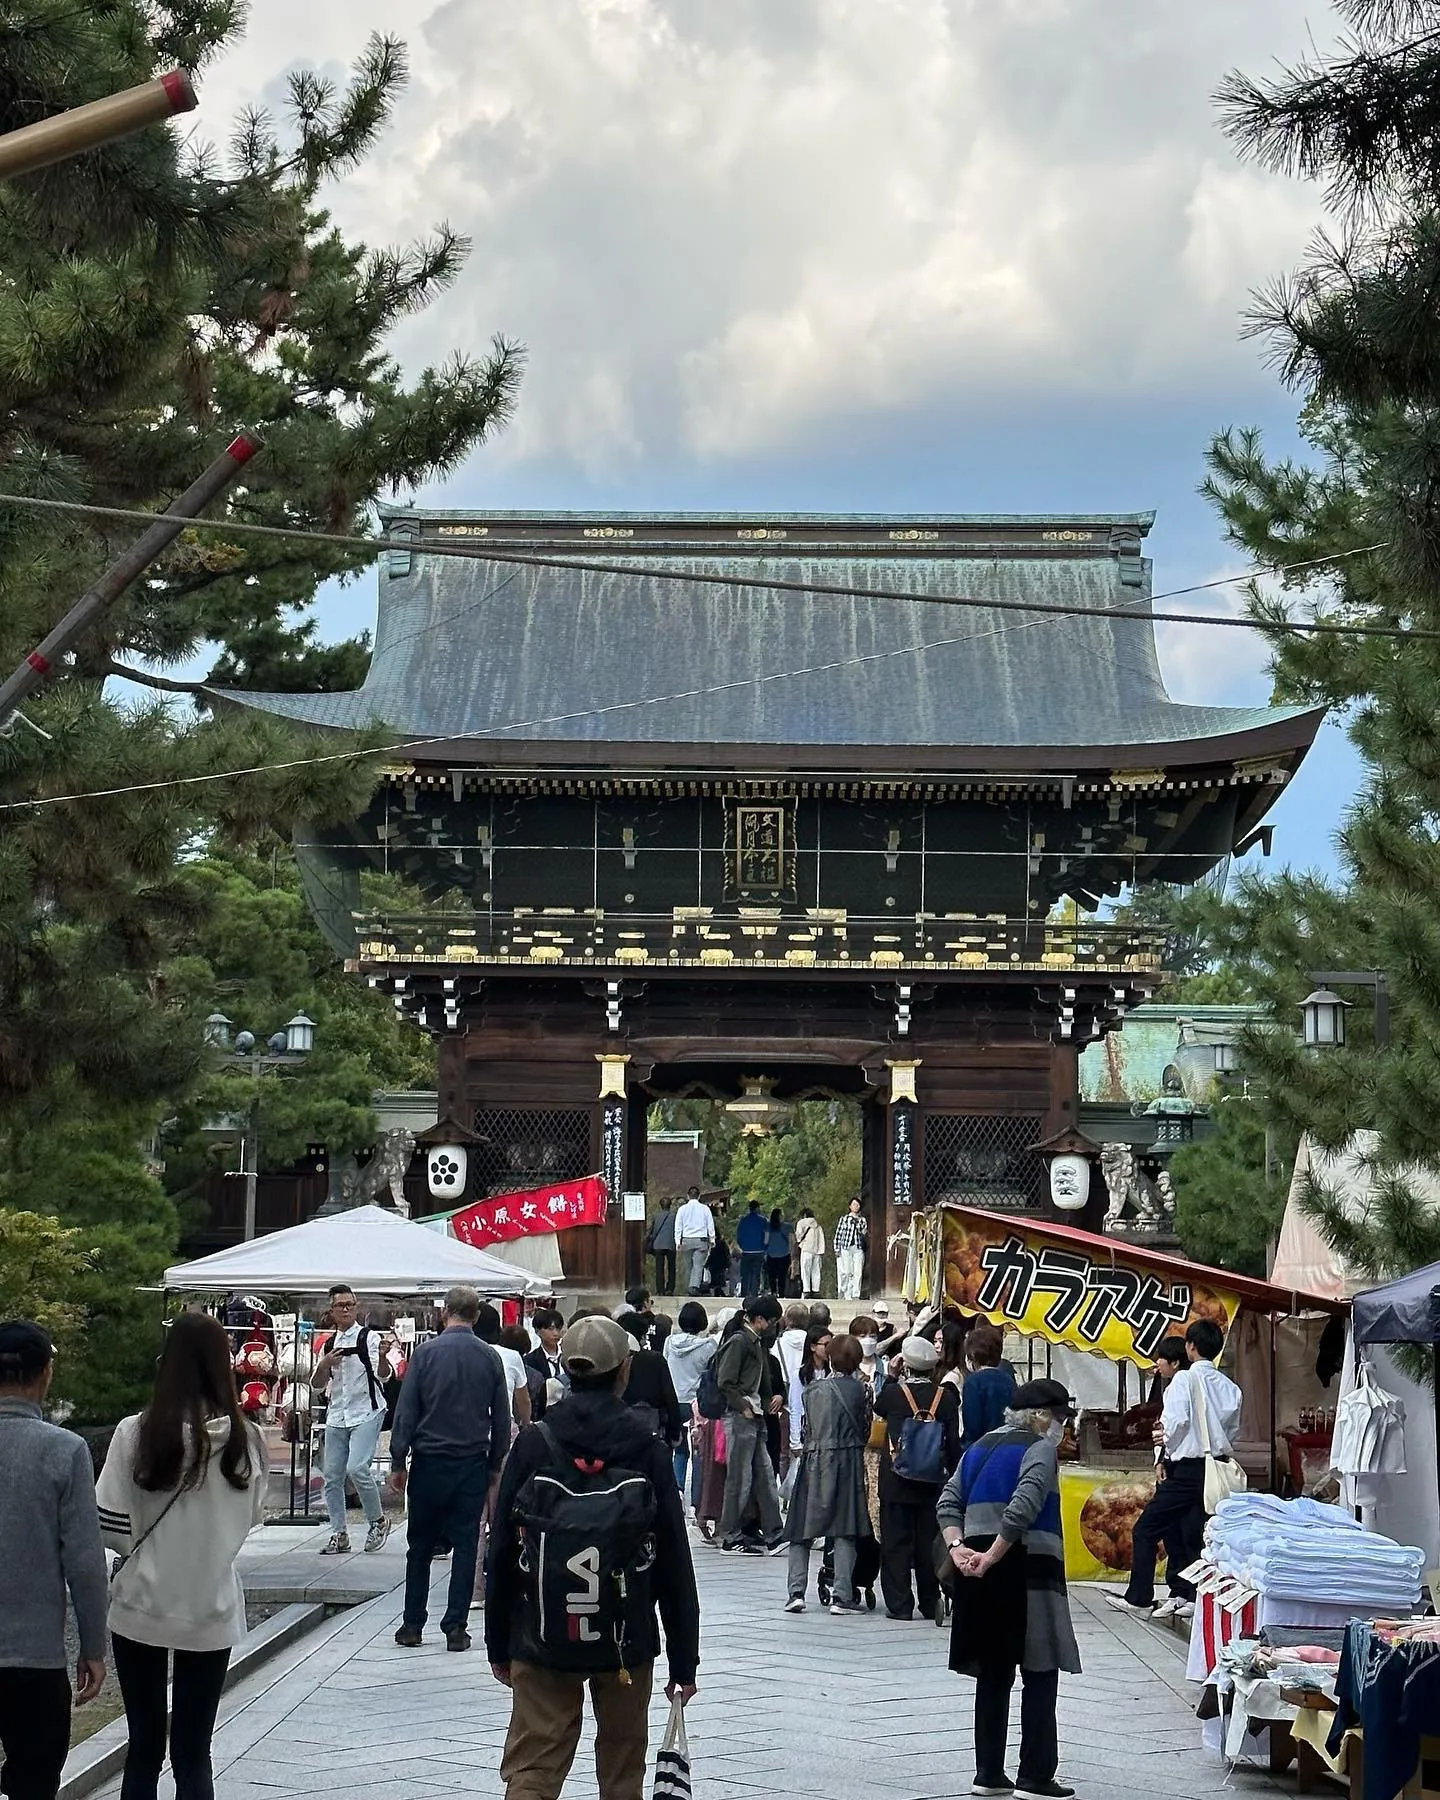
pixel 349 1373
pixel 588 1542
pixel 922 1447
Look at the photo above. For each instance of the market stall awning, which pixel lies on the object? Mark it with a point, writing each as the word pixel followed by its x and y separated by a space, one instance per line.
pixel 1109 1296
pixel 1259 1296
pixel 375 1251
pixel 1404 1311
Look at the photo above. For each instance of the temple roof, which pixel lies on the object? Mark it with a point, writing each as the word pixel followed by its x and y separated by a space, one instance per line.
pixel 623 662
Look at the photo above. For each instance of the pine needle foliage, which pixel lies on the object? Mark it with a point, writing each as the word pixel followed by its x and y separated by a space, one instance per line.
pixel 157 296
pixel 1356 331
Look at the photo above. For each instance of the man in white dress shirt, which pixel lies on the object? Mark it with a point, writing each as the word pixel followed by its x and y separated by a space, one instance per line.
pixel 1177 1511
pixel 695 1234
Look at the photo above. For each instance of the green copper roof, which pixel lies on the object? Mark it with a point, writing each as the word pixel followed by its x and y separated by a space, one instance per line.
pixel 474 648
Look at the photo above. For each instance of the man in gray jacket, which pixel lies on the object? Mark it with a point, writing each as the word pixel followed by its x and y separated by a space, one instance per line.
pixel 49 1542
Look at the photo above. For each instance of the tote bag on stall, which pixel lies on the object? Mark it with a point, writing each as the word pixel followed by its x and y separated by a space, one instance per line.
pixel 672 1765
pixel 1222 1479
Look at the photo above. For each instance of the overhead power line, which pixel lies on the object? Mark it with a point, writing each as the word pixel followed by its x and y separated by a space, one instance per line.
pixel 1141 609
pixel 513 726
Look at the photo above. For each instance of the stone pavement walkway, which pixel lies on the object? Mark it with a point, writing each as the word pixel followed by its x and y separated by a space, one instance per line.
pixel 848 1708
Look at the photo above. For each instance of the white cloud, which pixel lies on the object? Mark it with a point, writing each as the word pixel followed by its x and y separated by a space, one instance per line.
pixel 1213 665
pixel 724 225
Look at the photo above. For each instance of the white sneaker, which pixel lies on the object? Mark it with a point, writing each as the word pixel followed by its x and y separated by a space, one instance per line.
pixel 794 1604
pixel 1166 1609
pixel 1122 1605
pixel 375 1537
pixel 339 1544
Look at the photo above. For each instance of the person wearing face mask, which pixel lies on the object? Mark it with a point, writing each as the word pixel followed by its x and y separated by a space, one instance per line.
pixel 1000 1517
pixel 872 1372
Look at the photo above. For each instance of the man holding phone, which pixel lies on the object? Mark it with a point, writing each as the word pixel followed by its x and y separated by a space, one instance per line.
pixel 349 1372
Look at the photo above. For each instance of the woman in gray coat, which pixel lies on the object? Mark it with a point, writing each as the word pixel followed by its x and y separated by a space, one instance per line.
pixel 1000 1518
pixel 829 1498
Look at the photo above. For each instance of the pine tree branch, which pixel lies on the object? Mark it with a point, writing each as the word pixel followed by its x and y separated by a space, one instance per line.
pixel 145 678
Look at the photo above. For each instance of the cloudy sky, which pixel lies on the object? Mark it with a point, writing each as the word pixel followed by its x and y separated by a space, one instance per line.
pixel 958 255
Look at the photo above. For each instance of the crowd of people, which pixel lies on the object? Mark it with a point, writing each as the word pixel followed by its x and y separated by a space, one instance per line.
pixel 568 1473
pixel 687 1242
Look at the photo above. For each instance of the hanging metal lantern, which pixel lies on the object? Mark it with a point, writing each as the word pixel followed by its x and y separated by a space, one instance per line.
pixel 757 1108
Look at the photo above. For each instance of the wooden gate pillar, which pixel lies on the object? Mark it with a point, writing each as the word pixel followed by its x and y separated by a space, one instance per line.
pixel 903 1182
pixel 874 1191
pixel 1063 1112
pixel 637 1118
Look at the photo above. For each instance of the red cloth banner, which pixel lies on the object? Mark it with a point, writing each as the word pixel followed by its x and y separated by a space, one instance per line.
pixel 506 1216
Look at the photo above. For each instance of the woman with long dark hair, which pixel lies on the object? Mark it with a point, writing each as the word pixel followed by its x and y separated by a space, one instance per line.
pixel 182 1486
pixel 950 1343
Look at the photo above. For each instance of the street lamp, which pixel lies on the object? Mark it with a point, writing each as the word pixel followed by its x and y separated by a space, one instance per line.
pixel 1324 1011
pixel 283 1050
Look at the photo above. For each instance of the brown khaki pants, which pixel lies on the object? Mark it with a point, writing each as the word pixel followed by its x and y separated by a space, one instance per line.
pixel 545 1718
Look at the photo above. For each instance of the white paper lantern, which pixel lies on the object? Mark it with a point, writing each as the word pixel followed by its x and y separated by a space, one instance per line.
pixel 445 1166
pixel 1070 1182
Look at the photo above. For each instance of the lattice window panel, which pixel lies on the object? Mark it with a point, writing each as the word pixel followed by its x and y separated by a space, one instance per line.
pixel 529 1149
pixel 982 1160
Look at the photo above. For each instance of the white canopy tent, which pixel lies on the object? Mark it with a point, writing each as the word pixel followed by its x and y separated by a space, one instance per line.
pixel 374 1251
pixel 1303 1259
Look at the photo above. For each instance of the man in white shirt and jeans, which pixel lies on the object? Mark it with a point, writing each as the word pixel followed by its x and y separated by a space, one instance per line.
pixel 350 1370
pixel 1178 1509
pixel 695 1234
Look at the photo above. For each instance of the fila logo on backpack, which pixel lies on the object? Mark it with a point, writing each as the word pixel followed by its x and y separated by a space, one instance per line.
pixel 586 1536
pixel 583 1603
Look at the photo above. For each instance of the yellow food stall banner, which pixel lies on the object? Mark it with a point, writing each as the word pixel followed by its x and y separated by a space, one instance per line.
pixel 1098 1510
pixel 1055 1285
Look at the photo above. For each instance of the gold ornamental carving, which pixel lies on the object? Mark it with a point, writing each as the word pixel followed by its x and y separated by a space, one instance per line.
pixel 902 1080
pixel 612 1075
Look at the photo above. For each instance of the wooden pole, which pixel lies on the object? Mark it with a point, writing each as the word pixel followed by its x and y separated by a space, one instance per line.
pixel 101 122
pixel 108 589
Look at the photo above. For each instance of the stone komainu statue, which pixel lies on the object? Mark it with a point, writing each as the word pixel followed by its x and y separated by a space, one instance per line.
pixel 384 1171
pixel 1132 1192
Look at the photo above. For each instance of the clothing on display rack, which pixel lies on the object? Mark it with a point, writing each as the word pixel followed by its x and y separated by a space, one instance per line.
pixel 1369 1440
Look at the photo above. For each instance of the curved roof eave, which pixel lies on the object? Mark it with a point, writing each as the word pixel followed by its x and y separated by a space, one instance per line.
pixel 1283 733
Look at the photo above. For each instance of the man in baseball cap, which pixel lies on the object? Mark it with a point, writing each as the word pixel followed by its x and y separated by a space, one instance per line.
pixel 593 1347
pixel 591 1445
pixel 915 1462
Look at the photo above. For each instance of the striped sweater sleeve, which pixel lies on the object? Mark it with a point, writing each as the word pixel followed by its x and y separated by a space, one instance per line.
pixel 115 1489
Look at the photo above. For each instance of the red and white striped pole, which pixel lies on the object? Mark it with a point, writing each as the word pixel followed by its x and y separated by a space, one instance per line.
pixel 108 589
